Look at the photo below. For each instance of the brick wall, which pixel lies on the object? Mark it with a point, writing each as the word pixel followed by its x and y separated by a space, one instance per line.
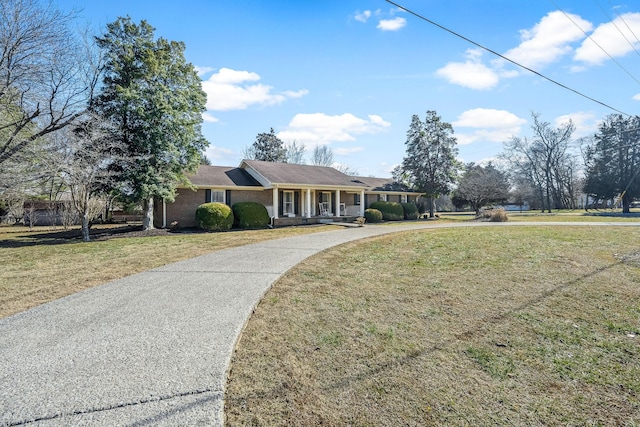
pixel 183 210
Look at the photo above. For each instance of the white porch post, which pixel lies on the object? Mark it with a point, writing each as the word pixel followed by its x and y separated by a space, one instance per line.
pixel 308 202
pixel 164 213
pixel 362 203
pixel 275 203
pixel 337 202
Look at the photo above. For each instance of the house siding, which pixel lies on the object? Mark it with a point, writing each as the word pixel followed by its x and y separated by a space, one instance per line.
pixel 184 212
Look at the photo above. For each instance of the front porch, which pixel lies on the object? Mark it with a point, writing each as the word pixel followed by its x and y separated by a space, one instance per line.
pixel 301 220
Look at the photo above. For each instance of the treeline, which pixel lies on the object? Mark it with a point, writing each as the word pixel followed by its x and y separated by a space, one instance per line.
pixel 547 170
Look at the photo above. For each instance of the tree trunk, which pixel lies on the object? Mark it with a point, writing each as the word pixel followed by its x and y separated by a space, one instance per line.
pixel 626 204
pixel 147 222
pixel 432 207
pixel 86 237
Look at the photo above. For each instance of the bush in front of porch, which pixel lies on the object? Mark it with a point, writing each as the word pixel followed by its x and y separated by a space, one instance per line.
pixel 214 216
pixel 373 215
pixel 391 211
pixel 250 215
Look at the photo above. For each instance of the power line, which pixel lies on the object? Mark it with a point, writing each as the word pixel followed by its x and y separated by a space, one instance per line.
pixel 618 28
pixel 595 42
pixel 504 57
pixel 625 22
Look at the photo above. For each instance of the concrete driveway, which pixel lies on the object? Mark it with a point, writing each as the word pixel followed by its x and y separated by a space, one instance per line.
pixel 151 349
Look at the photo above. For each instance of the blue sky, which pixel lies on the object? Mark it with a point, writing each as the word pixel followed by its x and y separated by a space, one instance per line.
pixel 351 74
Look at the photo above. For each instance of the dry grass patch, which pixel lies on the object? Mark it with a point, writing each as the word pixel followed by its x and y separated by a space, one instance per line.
pixel 38 268
pixel 483 326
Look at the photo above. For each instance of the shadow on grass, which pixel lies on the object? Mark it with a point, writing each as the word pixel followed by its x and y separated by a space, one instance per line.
pixel 73 236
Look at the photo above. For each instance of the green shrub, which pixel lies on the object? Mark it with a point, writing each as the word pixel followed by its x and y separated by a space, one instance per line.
pixel 214 216
pixel 250 215
pixel 373 215
pixel 410 210
pixel 391 211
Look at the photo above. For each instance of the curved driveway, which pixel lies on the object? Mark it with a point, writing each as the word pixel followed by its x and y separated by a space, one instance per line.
pixel 151 349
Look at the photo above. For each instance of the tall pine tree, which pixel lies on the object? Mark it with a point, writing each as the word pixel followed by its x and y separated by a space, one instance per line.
pixel 613 162
pixel 155 99
pixel 430 162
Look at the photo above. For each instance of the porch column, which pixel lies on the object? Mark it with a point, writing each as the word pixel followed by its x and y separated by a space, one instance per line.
pixel 275 203
pixel 164 213
pixel 337 202
pixel 308 202
pixel 362 203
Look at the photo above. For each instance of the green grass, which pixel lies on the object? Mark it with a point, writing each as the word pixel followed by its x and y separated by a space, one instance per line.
pixel 481 326
pixel 40 266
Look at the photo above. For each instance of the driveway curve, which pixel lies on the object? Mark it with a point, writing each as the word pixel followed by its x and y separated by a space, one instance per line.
pixel 153 349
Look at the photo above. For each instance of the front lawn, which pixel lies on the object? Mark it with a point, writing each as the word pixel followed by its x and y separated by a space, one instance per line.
pixel 470 326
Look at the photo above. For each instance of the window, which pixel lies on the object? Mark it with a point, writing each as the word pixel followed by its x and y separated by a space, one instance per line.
pixel 287 203
pixel 382 197
pixel 403 198
pixel 356 199
pixel 215 196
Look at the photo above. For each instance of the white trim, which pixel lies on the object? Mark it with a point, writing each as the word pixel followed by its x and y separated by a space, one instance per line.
pixel 276 206
pixel 308 202
pixel 291 203
pixel 337 203
pixel 164 213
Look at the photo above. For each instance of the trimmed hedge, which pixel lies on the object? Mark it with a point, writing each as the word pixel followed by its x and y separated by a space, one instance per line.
pixel 250 215
pixel 410 210
pixel 214 216
pixel 391 211
pixel 373 215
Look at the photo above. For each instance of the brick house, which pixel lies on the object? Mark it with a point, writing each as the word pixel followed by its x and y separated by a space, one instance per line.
pixel 292 193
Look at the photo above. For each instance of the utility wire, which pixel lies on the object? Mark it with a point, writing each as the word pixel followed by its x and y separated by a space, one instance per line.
pixel 595 42
pixel 625 22
pixel 618 28
pixel 504 57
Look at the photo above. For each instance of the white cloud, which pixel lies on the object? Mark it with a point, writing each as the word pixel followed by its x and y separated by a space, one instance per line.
pixel 234 90
pixel 585 123
pixel 209 118
pixel 319 128
pixel 391 24
pixel 364 16
pixel 549 39
pixel 609 37
pixel 219 153
pixel 203 70
pixel 636 97
pixel 490 125
pixel 471 74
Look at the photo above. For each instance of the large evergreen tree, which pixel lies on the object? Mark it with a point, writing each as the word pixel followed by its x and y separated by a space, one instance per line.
pixel 613 161
pixel 154 97
pixel 268 147
pixel 430 161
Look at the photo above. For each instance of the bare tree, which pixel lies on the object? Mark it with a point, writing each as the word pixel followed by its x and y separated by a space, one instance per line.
pixel 295 153
pixel 85 153
pixel 546 161
pixel 45 79
pixel 480 186
pixel 322 156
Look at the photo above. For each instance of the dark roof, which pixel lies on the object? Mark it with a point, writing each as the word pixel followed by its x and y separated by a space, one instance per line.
pixel 375 184
pixel 383 184
pixel 289 173
pixel 224 176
